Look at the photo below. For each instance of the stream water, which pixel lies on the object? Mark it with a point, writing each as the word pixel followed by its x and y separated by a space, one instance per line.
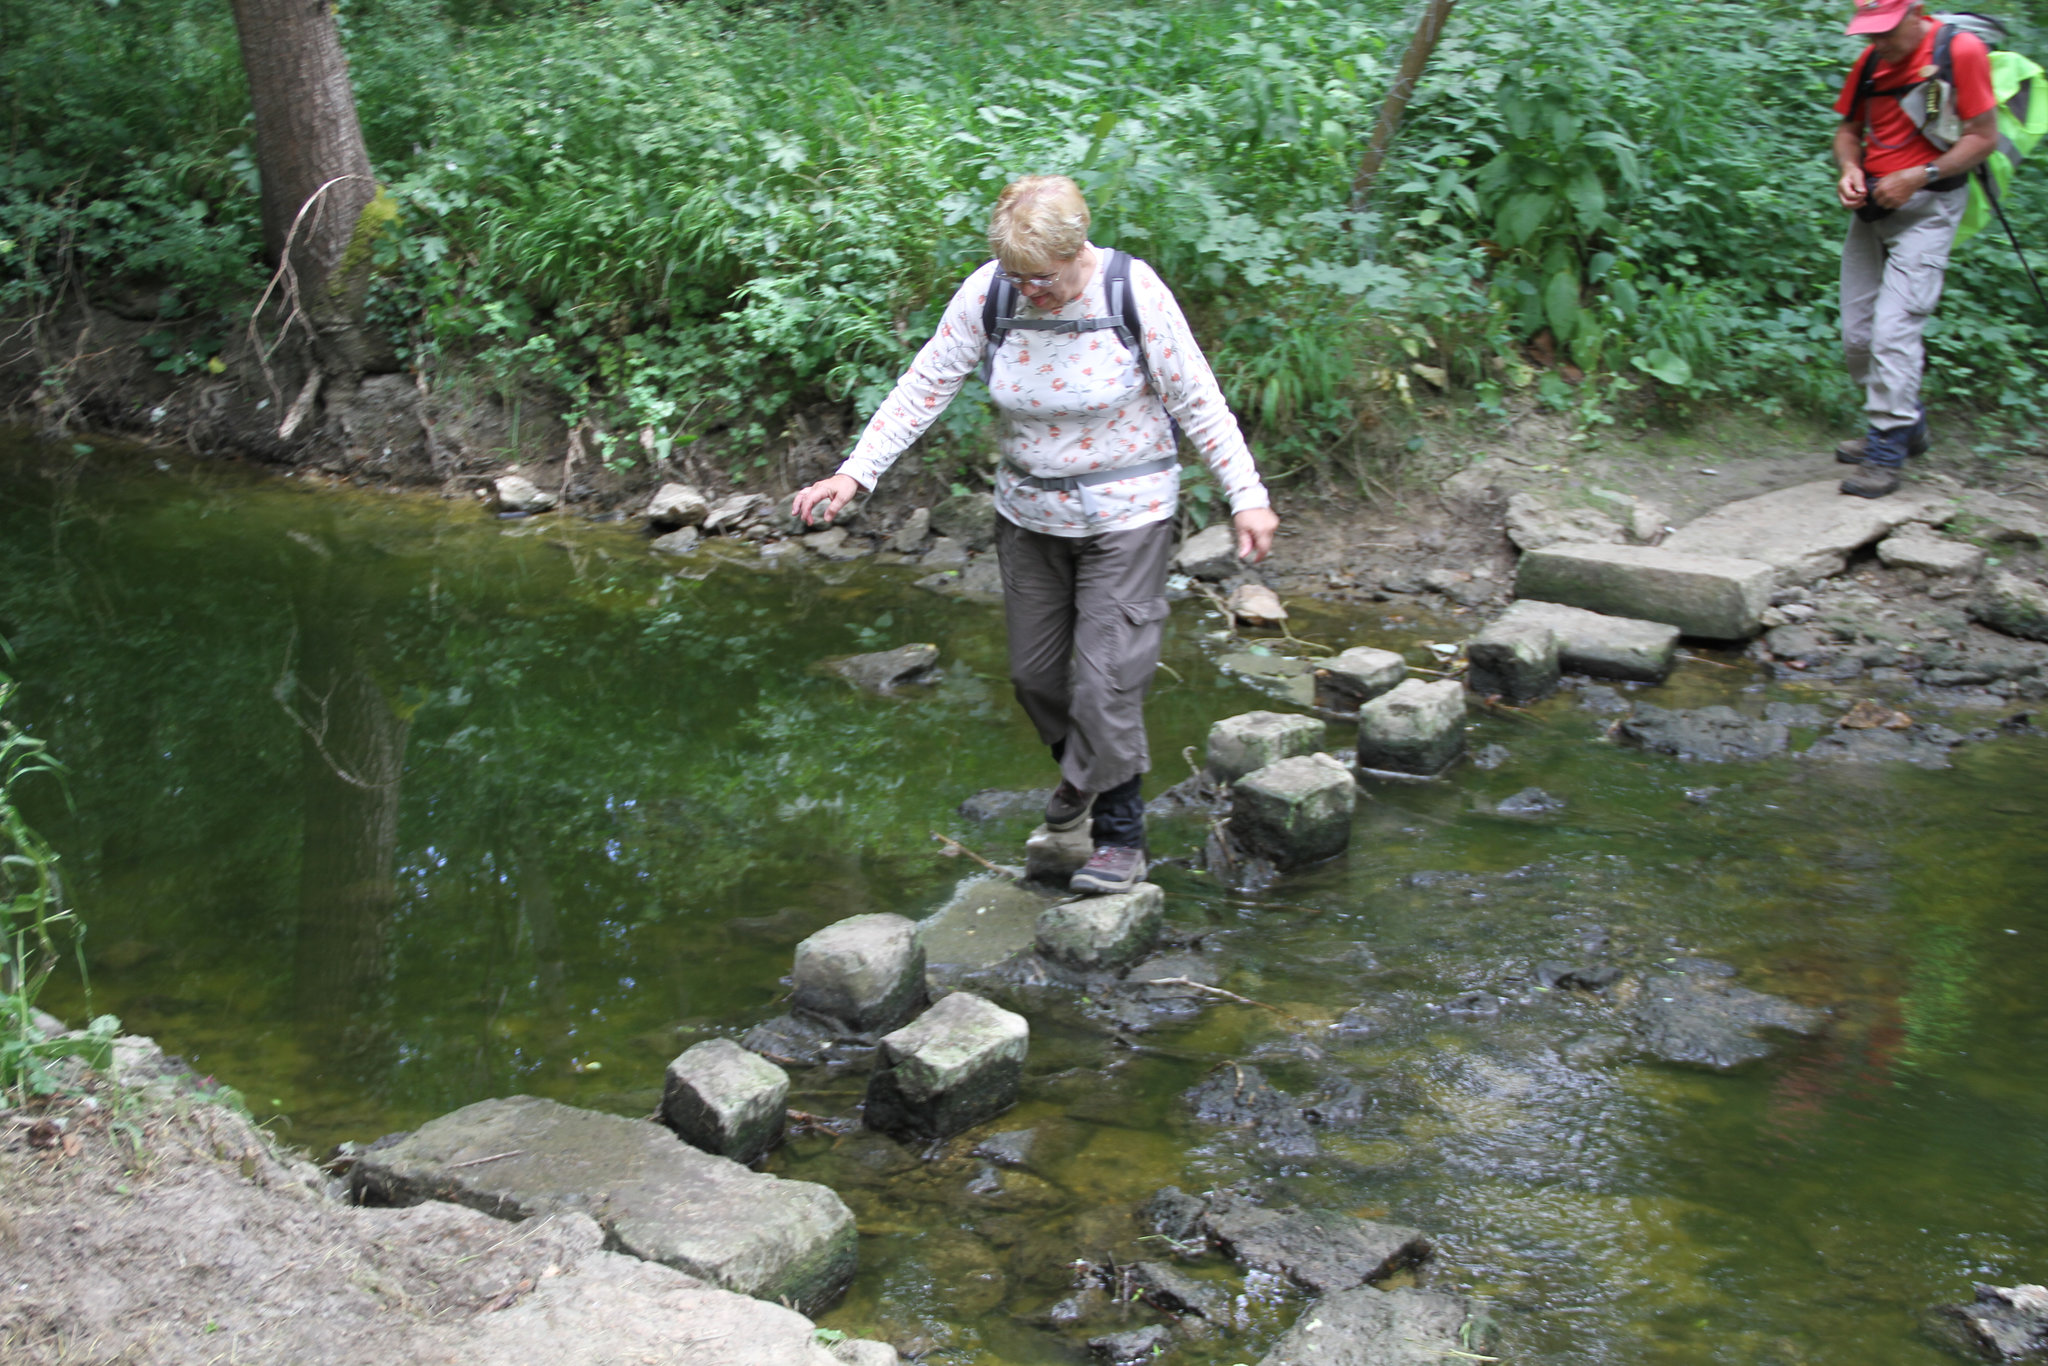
pixel 380 806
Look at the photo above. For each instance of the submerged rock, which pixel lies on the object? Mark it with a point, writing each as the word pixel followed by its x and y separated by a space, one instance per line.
pixel 1702 1017
pixel 1322 1251
pixel 1239 1096
pixel 1530 801
pixel 1172 1291
pixel 656 1197
pixel 998 804
pixel 1367 1327
pixel 2005 1322
pixel 1131 1348
pixel 884 671
pixel 1709 734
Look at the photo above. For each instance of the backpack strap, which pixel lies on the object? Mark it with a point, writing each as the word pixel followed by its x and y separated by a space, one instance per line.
pixel 997 306
pixel 1123 306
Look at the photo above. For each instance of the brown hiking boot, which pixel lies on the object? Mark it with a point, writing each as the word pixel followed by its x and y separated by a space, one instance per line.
pixel 1113 868
pixel 1067 807
pixel 1871 481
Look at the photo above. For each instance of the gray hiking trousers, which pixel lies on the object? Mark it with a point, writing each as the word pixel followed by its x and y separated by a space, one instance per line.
pixel 1086 615
pixel 1892 270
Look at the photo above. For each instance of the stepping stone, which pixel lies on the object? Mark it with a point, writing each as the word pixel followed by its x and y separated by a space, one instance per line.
pixel 725 1100
pixel 865 973
pixel 1054 856
pixel 957 1065
pixel 1240 744
pixel 656 1197
pixel 988 918
pixel 1600 645
pixel 1209 554
pixel 1806 532
pixel 1702 595
pixel 1916 547
pixel 1296 811
pixel 1103 933
pixel 1357 676
pixel 1417 729
pixel 1515 661
pixel 1367 1327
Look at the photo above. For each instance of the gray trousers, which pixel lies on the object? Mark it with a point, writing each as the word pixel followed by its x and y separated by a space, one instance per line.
pixel 1892 272
pixel 1086 615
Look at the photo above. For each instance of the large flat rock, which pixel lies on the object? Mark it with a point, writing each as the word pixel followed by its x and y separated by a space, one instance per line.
pixel 1806 532
pixel 1603 646
pixel 1322 1251
pixel 1713 596
pixel 655 1196
pixel 1368 1327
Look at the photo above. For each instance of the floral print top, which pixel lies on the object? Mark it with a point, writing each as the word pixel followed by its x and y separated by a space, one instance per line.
pixel 1070 403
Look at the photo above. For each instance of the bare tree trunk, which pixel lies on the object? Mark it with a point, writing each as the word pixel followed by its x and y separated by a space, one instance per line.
pixel 308 137
pixel 1396 104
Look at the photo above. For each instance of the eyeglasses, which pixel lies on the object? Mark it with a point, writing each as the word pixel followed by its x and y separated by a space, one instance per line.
pixel 1028 281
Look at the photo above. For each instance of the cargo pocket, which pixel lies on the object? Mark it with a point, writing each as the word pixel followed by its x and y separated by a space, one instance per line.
pixel 1140 625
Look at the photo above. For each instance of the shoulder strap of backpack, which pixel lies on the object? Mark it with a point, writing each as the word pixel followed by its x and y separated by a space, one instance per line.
pixel 997 306
pixel 1123 307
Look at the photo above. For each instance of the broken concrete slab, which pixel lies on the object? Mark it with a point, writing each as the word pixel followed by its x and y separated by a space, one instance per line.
pixel 1296 811
pixel 725 1100
pixel 1103 933
pixel 1417 729
pixel 1916 547
pixel 1367 1327
pixel 865 973
pixel 1806 532
pixel 1357 676
pixel 1240 744
pixel 2010 604
pixel 1711 596
pixel 1322 1251
pixel 656 1197
pixel 1516 661
pixel 957 1065
pixel 1600 645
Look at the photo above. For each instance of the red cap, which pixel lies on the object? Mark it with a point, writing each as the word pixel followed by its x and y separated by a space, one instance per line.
pixel 1878 16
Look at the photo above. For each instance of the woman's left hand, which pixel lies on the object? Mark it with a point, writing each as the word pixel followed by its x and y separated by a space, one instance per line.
pixel 1255 528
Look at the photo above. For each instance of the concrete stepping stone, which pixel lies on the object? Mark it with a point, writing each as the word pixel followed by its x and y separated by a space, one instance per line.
pixel 1516 661
pixel 1711 596
pixel 1602 646
pixel 1416 729
pixel 1103 933
pixel 1806 532
pixel 1368 1327
pixel 1240 744
pixel 725 1100
pixel 957 1065
pixel 1357 676
pixel 655 1196
pixel 865 973
pixel 988 918
pixel 1296 811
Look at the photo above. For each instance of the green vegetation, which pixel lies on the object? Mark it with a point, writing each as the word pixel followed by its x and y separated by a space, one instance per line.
pixel 690 218
pixel 32 919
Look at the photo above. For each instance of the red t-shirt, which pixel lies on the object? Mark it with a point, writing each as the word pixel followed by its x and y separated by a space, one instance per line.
pixel 1890 141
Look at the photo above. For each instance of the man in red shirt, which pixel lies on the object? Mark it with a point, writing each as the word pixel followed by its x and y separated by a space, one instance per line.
pixel 1908 196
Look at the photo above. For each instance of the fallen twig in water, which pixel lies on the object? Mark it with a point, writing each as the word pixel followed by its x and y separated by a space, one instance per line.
pixel 954 849
pixel 1699 659
pixel 1204 986
pixel 1493 703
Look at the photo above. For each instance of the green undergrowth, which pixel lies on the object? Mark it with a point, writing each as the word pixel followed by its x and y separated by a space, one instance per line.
pixel 693 220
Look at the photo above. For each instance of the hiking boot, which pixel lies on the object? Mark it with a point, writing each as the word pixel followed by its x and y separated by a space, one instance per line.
pixel 1113 868
pixel 1857 448
pixel 1067 807
pixel 1872 481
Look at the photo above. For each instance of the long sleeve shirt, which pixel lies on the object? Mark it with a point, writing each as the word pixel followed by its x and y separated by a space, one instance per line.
pixel 1073 403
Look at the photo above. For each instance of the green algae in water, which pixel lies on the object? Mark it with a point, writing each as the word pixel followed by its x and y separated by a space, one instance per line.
pixel 383 806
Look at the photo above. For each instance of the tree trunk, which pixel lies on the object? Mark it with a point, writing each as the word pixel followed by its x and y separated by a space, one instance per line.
pixel 1396 104
pixel 307 136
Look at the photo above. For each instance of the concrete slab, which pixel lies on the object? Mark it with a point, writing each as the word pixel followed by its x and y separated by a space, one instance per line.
pixel 988 918
pixel 1711 596
pixel 1603 646
pixel 1806 532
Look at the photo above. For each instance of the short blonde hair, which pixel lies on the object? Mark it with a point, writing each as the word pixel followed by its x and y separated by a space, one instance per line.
pixel 1040 223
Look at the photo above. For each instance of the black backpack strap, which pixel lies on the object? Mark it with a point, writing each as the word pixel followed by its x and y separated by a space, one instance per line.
pixel 1130 330
pixel 997 306
pixel 1944 64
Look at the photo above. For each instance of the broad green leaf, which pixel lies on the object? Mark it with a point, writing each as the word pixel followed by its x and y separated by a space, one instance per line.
pixel 1587 196
pixel 1561 304
pixel 1522 216
pixel 1660 363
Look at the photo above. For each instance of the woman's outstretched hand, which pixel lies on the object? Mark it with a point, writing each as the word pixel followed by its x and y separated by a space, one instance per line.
pixel 827 495
pixel 1255 528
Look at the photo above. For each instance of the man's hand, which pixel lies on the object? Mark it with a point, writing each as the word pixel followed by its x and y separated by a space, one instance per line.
pixel 1852 189
pixel 1898 187
pixel 830 494
pixel 1255 528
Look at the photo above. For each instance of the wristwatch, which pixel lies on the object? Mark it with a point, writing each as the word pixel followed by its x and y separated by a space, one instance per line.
pixel 1933 169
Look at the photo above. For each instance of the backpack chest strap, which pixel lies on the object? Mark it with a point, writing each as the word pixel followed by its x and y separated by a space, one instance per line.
pixel 1058 324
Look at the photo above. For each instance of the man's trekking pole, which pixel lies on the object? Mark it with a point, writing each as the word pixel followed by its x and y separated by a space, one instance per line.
pixel 1991 193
